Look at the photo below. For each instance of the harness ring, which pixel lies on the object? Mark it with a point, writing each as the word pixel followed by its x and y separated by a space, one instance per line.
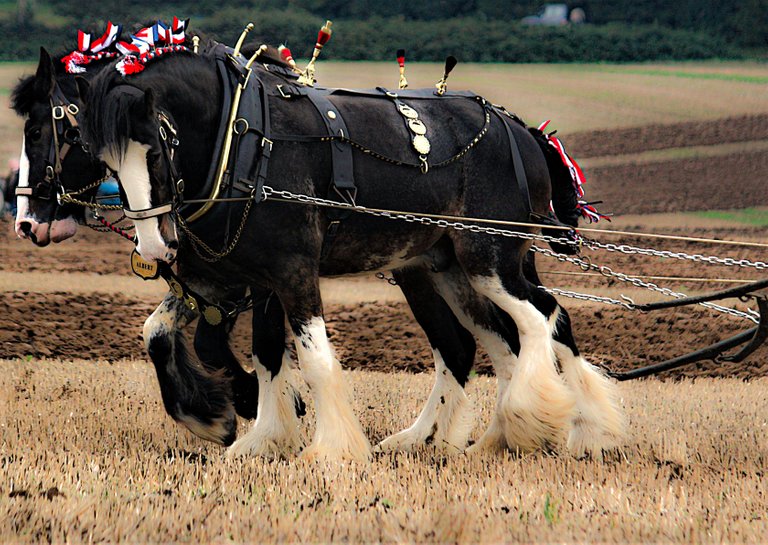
pixel 235 126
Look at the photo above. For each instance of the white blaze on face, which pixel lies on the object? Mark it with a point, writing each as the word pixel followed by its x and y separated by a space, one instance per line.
pixel 134 178
pixel 22 203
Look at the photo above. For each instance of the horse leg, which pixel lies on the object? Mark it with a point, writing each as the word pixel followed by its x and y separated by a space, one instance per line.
pixel 499 339
pixel 338 433
pixel 212 348
pixel 276 430
pixel 537 408
pixel 447 418
pixel 199 400
pixel 599 423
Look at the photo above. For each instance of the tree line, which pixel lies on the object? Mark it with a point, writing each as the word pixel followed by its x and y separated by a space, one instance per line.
pixel 473 30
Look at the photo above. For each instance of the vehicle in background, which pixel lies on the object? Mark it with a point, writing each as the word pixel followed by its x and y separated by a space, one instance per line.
pixel 556 15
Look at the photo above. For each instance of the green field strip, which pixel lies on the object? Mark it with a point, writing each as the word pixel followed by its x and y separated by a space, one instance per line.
pixel 674 154
pixel 741 78
pixel 756 217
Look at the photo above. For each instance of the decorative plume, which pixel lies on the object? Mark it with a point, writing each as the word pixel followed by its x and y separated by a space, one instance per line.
pixel 403 83
pixel 287 57
pixel 308 76
pixel 450 64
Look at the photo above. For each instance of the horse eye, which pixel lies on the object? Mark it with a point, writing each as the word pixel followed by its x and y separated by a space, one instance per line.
pixel 35 135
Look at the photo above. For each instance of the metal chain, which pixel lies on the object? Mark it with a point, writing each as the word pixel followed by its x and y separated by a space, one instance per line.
pixel 198 243
pixel 586 265
pixel 588 297
pixel 381 157
pixel 284 195
pixel 68 197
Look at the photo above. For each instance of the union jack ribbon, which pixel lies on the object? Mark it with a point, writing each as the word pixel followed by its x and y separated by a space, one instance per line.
pixel 578 179
pixel 154 36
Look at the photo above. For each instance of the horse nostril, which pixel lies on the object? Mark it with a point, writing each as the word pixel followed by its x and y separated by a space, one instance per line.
pixel 173 245
pixel 26 228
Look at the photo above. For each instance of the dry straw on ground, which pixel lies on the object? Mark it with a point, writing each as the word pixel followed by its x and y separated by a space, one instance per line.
pixel 87 455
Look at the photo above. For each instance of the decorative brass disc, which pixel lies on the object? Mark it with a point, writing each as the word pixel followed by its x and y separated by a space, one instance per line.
pixel 212 315
pixel 143 268
pixel 417 126
pixel 408 112
pixel 421 144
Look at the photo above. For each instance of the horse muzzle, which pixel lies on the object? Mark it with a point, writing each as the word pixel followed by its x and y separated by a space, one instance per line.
pixel 31 229
pixel 157 242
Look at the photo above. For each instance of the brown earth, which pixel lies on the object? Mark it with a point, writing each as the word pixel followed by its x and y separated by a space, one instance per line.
pixel 664 136
pixel 107 325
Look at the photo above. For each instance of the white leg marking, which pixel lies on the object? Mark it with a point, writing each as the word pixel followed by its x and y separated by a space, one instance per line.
pixel 599 423
pixel 537 408
pixel 134 177
pixel 446 420
pixel 276 430
pixel 338 433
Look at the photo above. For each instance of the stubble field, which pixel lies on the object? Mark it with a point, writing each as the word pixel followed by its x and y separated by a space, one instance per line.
pixel 87 453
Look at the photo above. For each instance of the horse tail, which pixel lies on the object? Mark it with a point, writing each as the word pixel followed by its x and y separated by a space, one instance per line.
pixel 564 198
pixel 193 396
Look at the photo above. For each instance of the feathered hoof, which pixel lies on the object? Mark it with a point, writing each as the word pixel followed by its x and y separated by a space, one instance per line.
pixel 221 430
pixel 537 416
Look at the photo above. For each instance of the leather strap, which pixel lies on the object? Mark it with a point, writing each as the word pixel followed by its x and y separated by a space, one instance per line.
pixel 341 151
pixel 517 162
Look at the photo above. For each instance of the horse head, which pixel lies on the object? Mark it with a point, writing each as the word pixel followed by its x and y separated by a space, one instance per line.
pixel 135 139
pixel 53 159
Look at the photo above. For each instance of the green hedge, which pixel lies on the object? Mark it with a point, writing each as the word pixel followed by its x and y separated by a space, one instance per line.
pixel 471 39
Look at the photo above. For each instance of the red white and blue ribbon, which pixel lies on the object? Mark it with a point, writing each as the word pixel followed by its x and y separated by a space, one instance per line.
pixel 89 50
pixel 578 179
pixel 86 43
pixel 178 29
pixel 149 43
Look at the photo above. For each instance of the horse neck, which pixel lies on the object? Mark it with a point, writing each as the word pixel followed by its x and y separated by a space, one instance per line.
pixel 191 94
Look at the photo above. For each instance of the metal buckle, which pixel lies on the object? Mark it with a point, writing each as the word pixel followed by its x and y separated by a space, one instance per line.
pixel 163 134
pixel 49 173
pixel 266 142
pixel 73 109
pixel 391 94
pixel 58 112
pixel 282 93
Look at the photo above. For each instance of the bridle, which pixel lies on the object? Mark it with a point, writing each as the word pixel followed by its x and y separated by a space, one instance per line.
pixel 168 144
pixel 65 134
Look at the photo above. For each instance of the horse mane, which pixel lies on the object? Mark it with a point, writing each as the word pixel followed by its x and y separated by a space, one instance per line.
pixel 23 95
pixel 564 199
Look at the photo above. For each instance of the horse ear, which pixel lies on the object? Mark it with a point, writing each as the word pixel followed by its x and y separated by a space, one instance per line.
pixel 149 102
pixel 45 78
pixel 83 88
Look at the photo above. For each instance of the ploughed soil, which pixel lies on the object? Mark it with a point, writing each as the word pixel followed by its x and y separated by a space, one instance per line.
pixel 102 322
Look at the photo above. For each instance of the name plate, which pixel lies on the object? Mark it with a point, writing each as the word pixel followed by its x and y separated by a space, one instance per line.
pixel 143 268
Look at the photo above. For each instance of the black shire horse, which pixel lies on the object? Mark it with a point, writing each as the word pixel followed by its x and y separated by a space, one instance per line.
pixel 281 246
pixel 195 395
